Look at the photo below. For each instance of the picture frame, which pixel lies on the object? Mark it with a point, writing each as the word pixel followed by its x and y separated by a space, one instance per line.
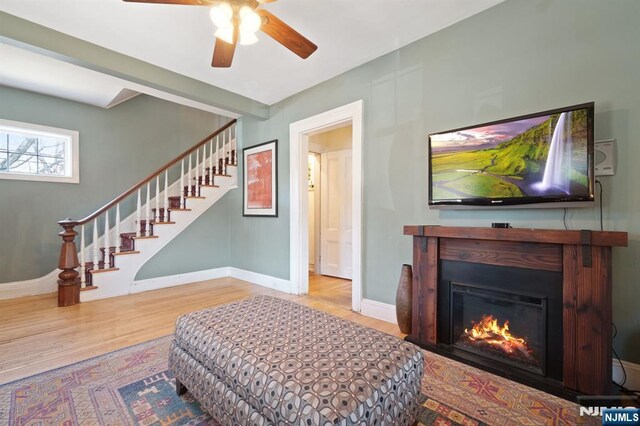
pixel 260 180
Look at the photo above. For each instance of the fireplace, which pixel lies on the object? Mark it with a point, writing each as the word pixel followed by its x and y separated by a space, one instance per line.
pixel 514 332
pixel 502 317
pixel 529 304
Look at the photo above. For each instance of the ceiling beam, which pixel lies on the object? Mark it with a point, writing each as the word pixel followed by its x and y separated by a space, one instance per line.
pixel 46 41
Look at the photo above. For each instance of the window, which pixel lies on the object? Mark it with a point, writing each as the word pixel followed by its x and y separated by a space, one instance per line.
pixel 32 152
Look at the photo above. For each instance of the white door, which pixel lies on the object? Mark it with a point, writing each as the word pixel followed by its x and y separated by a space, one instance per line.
pixel 335 214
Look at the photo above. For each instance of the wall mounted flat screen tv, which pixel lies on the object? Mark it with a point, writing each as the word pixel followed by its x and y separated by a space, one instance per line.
pixel 539 158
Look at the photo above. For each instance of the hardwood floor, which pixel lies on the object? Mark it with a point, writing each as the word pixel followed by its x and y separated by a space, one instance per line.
pixel 330 289
pixel 36 335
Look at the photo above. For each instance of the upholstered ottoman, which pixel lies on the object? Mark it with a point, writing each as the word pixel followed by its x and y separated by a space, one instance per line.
pixel 265 360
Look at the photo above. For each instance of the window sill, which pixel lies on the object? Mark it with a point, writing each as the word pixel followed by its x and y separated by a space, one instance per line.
pixel 39 178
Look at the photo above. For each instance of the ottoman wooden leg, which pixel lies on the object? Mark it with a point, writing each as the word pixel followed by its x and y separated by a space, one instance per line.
pixel 180 388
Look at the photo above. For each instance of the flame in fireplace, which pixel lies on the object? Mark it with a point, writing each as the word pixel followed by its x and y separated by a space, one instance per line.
pixel 487 332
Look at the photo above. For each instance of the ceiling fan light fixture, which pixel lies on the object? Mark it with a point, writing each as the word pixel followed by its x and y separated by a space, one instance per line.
pixel 247 37
pixel 250 21
pixel 225 34
pixel 221 15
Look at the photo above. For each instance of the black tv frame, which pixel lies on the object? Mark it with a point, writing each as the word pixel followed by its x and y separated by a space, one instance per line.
pixel 535 201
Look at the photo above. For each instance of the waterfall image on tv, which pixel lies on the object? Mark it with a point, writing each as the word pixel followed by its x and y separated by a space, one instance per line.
pixel 540 157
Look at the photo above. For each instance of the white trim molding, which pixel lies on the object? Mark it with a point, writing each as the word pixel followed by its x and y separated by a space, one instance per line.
pixel 633 374
pixel 34 287
pixel 178 279
pixel 48 283
pixel 261 279
pixel 382 311
pixel 299 133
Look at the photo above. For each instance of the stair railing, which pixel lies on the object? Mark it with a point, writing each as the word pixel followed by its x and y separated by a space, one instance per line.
pixel 219 150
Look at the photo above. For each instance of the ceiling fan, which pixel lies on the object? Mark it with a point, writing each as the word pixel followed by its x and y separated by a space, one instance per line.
pixel 238 21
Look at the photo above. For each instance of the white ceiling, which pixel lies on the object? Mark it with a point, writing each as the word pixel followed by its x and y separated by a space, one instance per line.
pixel 39 73
pixel 180 38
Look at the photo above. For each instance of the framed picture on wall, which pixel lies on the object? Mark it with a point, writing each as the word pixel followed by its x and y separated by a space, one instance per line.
pixel 261 180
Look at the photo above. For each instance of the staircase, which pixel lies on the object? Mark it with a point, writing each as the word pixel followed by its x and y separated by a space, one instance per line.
pixel 111 255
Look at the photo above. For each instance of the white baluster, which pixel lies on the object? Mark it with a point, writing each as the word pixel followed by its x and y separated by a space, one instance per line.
pixel 118 238
pixel 166 195
pixel 197 170
pixel 229 146
pixel 204 164
pixel 183 203
pixel 83 268
pixel 138 212
pixel 235 143
pixel 189 177
pixel 234 149
pixel 224 153
pixel 217 155
pixel 147 211
pixel 107 246
pixel 211 162
pixel 95 244
pixel 156 217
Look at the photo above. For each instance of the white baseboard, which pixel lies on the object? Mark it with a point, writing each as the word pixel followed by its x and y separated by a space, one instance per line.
pixel 178 279
pixel 633 374
pixel 382 311
pixel 48 283
pixel 41 285
pixel 261 279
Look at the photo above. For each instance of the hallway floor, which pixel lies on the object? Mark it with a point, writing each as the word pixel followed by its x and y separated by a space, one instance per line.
pixel 330 289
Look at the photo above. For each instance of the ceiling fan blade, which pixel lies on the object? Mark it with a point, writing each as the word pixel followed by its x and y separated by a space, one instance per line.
pixel 184 2
pixel 285 35
pixel 265 1
pixel 223 52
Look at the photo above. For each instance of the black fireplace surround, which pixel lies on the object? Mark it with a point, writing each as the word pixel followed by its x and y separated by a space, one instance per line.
pixel 503 319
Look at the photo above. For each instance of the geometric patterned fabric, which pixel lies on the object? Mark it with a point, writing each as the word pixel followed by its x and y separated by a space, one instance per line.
pixel 265 360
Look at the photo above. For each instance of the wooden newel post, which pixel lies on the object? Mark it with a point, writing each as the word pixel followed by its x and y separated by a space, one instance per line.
pixel 68 279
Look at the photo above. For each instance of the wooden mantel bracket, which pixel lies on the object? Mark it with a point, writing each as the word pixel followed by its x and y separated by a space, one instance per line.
pixel 423 241
pixel 585 241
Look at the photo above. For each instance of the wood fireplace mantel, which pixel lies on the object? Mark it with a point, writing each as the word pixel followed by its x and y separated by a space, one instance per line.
pixel 583 257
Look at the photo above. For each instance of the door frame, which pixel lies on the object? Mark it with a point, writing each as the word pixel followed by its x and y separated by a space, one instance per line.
pixel 299 133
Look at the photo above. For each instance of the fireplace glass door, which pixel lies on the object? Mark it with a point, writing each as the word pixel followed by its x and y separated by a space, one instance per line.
pixel 504 326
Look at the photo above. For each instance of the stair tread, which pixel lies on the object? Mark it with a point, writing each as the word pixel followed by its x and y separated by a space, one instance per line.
pixel 144 237
pixel 217 174
pixel 99 271
pixel 89 287
pixel 112 249
pixel 180 210
pixel 210 186
pixel 196 197
pixel 163 223
pixel 122 253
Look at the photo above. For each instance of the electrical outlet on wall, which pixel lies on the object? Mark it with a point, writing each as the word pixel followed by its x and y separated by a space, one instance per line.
pixel 604 158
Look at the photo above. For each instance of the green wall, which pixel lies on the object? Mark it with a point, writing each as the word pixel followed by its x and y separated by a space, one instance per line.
pixel 519 57
pixel 118 147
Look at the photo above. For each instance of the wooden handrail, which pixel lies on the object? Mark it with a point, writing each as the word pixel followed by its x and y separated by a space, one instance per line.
pixel 150 177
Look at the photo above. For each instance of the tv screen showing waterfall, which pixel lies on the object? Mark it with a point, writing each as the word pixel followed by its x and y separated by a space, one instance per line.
pixel 539 158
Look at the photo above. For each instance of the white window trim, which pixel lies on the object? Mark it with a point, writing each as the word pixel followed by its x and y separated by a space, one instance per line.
pixel 74 164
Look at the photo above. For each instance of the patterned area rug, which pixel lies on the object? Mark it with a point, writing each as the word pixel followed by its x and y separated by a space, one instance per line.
pixel 132 386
